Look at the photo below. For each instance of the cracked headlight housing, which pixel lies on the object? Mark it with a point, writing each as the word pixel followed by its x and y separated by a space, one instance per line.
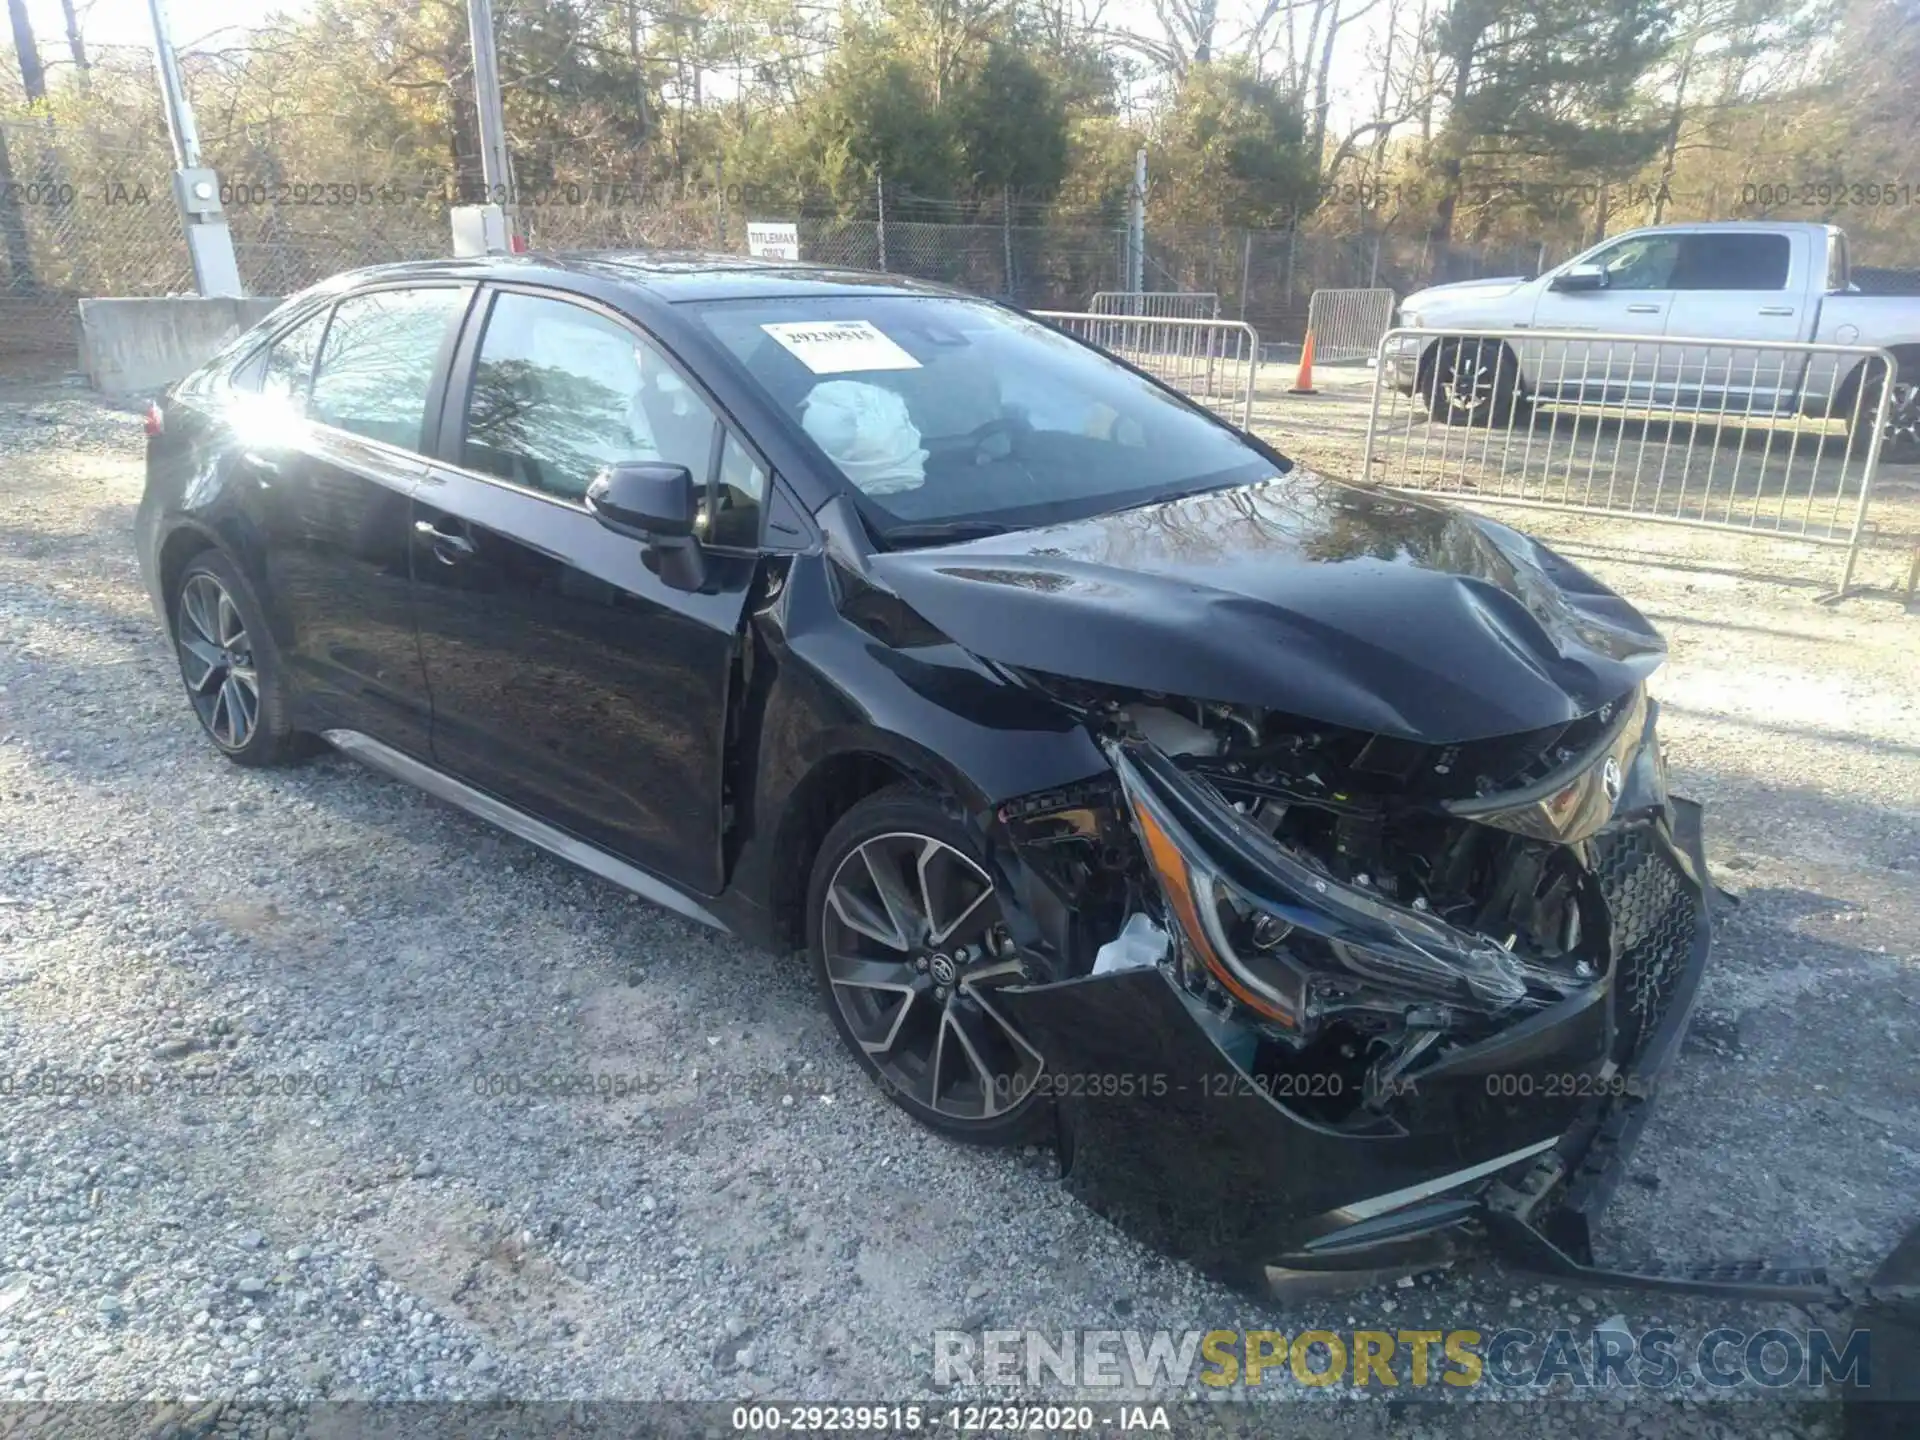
pixel 1279 934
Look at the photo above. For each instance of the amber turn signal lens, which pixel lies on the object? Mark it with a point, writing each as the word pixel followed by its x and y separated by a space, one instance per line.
pixel 1176 881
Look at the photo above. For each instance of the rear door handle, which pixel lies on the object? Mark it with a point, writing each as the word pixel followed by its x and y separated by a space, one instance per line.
pixel 1776 310
pixel 447 549
pixel 1643 309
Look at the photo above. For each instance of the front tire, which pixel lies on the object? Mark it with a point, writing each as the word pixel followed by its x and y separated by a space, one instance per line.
pixel 904 923
pixel 1473 382
pixel 229 666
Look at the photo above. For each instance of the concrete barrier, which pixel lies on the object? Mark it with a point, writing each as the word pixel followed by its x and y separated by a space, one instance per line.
pixel 148 342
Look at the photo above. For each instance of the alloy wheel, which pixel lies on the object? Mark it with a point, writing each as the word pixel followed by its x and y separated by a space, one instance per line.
pixel 1902 437
pixel 1470 383
pixel 914 946
pixel 216 661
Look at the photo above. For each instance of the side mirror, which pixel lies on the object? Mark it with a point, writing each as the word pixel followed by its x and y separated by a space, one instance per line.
pixel 1580 277
pixel 656 504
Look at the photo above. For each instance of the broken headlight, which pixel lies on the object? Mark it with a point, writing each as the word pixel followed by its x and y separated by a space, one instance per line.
pixel 1282 936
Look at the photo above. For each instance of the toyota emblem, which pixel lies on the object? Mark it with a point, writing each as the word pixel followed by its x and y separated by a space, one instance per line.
pixel 1610 778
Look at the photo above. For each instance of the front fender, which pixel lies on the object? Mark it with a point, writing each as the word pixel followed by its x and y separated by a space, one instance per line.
pixel 818 691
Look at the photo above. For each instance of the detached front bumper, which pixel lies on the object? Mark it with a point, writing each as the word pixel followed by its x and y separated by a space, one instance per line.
pixel 1165 1133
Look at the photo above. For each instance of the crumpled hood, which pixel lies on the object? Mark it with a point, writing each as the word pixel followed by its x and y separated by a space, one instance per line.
pixel 1348 606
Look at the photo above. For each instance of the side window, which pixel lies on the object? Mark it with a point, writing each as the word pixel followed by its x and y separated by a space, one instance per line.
pixel 289 361
pixel 738 498
pixel 560 392
pixel 1640 262
pixel 249 373
pixel 1733 261
pixel 379 360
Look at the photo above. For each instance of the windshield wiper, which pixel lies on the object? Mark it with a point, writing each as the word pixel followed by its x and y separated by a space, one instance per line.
pixel 933 531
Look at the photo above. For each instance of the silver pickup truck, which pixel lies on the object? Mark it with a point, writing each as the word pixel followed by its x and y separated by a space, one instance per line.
pixel 1701 290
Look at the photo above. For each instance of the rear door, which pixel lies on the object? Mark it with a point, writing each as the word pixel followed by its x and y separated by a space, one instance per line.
pixel 1733 285
pixel 567 679
pixel 334 452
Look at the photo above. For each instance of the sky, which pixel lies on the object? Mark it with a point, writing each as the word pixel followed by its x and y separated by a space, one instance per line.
pixel 124 22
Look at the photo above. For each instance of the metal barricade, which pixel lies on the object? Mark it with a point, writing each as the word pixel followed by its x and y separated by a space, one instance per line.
pixel 1750 436
pixel 1158 304
pixel 1347 324
pixel 1213 361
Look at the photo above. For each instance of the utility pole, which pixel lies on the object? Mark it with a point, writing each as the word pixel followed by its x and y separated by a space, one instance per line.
pixel 880 225
pixel 488 226
pixel 1246 269
pixel 486 96
pixel 1137 225
pixel 195 187
pixel 1006 238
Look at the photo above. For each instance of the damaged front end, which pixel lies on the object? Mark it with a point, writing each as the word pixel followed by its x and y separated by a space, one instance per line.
pixel 1364 980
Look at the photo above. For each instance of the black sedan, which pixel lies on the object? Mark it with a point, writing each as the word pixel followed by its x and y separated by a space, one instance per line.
pixel 1298 856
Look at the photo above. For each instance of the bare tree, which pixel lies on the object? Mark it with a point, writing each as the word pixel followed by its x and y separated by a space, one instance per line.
pixel 77 47
pixel 33 75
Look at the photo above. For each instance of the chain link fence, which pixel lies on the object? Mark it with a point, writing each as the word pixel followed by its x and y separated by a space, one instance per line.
pixel 1268 277
pixel 90 211
pixel 67 231
pixel 86 209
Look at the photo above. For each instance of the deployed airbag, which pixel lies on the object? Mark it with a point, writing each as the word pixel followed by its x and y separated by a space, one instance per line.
pixel 867 432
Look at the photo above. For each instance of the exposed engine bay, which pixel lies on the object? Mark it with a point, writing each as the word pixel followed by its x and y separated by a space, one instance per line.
pixel 1343 906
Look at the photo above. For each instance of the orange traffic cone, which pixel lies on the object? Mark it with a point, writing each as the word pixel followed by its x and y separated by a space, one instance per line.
pixel 1303 382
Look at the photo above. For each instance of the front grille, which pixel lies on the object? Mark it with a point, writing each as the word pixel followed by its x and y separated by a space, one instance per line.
pixel 1654 913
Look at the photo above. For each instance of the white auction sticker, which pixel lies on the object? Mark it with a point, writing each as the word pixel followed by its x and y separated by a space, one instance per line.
pixel 834 347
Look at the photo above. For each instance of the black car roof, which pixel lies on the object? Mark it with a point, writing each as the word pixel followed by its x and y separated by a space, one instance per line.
pixel 665 275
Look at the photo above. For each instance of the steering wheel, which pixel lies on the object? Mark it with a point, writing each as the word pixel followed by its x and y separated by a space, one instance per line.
pixel 977 445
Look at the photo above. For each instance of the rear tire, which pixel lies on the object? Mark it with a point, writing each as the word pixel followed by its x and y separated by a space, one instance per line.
pixel 1472 382
pixel 903 925
pixel 229 665
pixel 1900 441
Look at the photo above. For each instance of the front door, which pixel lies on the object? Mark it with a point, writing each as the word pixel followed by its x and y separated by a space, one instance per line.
pixel 1635 301
pixel 567 679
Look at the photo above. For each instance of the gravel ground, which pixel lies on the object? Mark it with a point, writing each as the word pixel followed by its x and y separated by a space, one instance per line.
pixel 301 989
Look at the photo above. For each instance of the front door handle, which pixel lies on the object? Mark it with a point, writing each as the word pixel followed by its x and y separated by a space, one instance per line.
pixel 1643 309
pixel 1776 310
pixel 447 549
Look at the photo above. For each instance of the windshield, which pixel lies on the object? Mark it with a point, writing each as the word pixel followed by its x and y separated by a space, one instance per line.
pixel 947 416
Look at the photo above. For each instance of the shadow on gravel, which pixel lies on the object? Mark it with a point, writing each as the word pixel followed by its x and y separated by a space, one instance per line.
pixel 1812 734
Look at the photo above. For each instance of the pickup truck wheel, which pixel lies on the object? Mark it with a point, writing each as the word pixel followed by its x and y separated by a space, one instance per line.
pixel 1473 382
pixel 1900 442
